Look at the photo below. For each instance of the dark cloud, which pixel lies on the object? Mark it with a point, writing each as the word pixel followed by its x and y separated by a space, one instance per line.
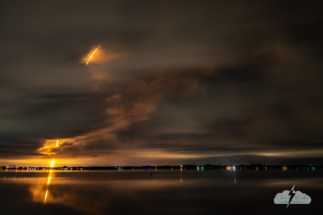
pixel 13 148
pixel 177 82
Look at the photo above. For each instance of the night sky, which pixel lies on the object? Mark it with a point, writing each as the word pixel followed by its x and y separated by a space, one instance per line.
pixel 173 82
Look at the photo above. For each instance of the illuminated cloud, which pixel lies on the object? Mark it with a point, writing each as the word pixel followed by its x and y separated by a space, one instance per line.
pixel 99 55
pixel 214 83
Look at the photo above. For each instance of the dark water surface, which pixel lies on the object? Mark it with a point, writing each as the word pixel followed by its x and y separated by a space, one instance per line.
pixel 156 192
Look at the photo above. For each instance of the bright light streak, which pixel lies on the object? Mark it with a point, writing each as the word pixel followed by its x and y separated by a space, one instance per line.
pixel 52 163
pixel 57 143
pixel 92 54
pixel 45 196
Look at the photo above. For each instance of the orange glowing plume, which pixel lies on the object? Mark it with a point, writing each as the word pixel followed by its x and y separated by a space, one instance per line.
pixel 92 54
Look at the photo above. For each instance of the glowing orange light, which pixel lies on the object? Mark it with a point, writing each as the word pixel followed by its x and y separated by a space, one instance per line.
pixel 92 54
pixel 52 163
pixel 45 196
pixel 50 145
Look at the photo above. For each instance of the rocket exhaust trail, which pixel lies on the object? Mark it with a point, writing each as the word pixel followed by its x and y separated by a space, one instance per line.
pixel 92 54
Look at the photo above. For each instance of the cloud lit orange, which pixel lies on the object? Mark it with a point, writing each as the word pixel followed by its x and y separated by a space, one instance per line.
pixel 98 55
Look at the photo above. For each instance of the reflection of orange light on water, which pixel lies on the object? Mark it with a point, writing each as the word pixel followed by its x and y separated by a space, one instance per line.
pixel 48 182
pixel 50 173
pixel 45 196
pixel 68 197
pixel 49 178
pixel 56 143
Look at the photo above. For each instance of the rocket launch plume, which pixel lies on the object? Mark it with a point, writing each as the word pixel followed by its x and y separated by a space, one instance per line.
pixel 92 54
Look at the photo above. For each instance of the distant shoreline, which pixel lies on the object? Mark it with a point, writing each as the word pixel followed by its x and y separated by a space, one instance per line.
pixel 175 167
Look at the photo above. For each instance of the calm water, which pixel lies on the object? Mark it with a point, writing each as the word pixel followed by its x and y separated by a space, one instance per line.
pixel 156 192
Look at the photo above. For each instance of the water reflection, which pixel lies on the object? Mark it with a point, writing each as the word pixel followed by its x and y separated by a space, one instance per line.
pixel 139 192
pixel 49 178
pixel 48 182
pixel 78 193
pixel 235 180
